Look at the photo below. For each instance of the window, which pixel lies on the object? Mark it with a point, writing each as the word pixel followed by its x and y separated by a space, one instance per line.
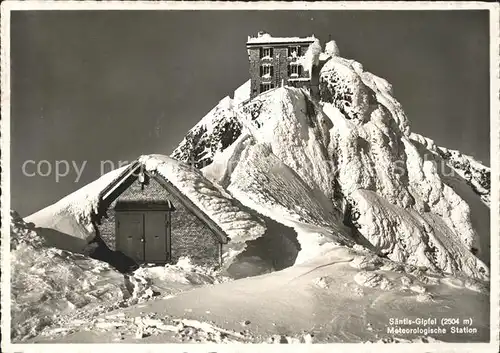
pixel 294 51
pixel 294 70
pixel 266 52
pixel 266 71
pixel 266 87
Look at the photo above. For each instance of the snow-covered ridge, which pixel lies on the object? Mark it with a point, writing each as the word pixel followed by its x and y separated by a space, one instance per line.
pixel 350 157
pixel 214 132
pixel 444 243
pixel 358 93
pixel 475 174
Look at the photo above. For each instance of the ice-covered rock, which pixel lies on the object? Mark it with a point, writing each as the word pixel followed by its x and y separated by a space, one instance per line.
pixel 341 168
pixel 214 132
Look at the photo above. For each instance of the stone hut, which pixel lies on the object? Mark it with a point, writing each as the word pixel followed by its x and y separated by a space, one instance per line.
pixel 144 216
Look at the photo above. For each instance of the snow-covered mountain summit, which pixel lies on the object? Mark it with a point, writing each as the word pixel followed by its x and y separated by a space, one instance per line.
pixel 290 174
pixel 346 168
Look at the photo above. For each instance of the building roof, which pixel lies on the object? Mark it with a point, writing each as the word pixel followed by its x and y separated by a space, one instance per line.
pixel 130 175
pixel 266 38
pixel 134 205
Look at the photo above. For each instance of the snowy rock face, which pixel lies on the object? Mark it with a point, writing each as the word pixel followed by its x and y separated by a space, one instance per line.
pixel 476 175
pixel 68 222
pixel 351 157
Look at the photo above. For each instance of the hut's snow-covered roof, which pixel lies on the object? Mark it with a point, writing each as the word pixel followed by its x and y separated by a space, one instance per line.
pixel 73 215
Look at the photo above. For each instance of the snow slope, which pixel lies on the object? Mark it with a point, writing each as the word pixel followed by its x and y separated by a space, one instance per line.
pixel 220 206
pixel 476 175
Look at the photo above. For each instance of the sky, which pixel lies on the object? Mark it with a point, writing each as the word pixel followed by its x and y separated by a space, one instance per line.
pixel 94 86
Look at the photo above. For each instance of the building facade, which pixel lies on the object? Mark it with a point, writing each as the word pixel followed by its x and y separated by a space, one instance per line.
pixel 274 61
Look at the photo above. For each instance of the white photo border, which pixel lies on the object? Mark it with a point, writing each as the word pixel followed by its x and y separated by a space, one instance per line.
pixel 8 6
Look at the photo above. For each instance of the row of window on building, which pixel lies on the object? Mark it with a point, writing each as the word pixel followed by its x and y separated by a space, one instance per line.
pixel 294 69
pixel 269 52
pixel 266 87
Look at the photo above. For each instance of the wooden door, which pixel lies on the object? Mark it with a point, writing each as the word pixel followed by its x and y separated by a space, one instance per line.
pixel 130 234
pixel 157 237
